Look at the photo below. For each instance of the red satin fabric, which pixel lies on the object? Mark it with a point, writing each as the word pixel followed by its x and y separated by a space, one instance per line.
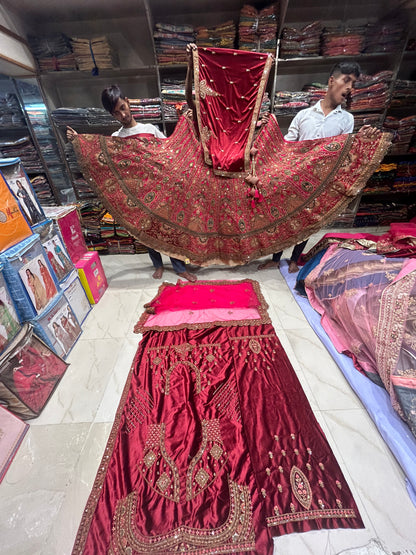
pixel 229 87
pixel 213 450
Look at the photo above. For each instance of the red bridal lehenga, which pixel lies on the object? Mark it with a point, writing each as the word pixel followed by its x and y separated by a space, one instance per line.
pixel 186 196
pixel 214 448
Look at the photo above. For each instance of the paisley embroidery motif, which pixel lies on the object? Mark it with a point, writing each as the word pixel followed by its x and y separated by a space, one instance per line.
pixel 301 487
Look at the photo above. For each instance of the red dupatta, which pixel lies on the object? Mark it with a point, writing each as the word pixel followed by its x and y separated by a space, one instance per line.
pixel 229 88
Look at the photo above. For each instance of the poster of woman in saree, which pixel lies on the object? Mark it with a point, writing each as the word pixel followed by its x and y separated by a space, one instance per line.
pixel 32 280
pixel 63 331
pixel 47 280
pixel 8 317
pixel 28 202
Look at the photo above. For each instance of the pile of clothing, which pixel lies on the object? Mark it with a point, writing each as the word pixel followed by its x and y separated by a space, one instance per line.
pixel 337 41
pixel 24 149
pixel 219 36
pixel 84 118
pixel 146 108
pixel 290 102
pixel 384 37
pixel 404 130
pixel 404 94
pixel 11 114
pixel 380 213
pixel 173 98
pixel 43 190
pixel 257 29
pixel 371 92
pixel 301 42
pixel 94 54
pixel 53 52
pixel 170 42
pixel 406 176
pixel 382 180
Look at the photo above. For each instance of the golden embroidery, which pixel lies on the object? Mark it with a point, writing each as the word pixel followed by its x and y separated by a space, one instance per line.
pixel 202 477
pixel 255 346
pixel 149 459
pixel 301 487
pixel 277 520
pixel 236 534
pixel 156 460
pixel 203 469
pixel 205 90
pixel 163 482
pixel 191 367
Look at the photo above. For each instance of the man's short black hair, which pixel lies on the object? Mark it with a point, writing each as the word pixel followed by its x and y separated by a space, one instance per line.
pixel 110 97
pixel 345 68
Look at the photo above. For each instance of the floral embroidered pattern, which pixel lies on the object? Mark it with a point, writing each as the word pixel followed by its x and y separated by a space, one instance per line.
pixel 301 487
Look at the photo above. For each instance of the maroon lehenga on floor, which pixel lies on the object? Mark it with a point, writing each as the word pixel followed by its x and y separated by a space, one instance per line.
pixel 186 196
pixel 214 447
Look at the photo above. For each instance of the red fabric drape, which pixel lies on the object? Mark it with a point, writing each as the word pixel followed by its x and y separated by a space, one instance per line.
pixel 229 88
pixel 214 448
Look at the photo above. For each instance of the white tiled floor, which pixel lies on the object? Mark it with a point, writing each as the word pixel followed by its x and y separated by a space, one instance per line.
pixel 45 490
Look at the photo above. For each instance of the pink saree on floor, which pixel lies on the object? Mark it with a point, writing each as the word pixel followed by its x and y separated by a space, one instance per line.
pixel 186 196
pixel 214 447
pixel 368 308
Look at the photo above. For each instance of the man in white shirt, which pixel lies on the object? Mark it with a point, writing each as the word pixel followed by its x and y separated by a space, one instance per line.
pixel 115 102
pixel 326 118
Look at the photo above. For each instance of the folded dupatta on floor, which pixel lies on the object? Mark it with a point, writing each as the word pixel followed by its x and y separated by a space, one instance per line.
pixel 399 241
pixel 368 308
pixel 214 447
pixel 173 196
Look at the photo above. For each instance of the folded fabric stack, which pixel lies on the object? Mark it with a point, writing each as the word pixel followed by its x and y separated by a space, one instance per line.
pixel 366 119
pixel 170 42
pixel 342 42
pixel 11 114
pixel 173 98
pixel 107 226
pixel 24 149
pixel 91 213
pixel 53 52
pixel 146 108
pixel 316 91
pixel 94 54
pixel 257 29
pixel 382 180
pixel 384 38
pixel 81 118
pixel 120 245
pixel 380 213
pixel 219 36
pixel 139 248
pixel 371 92
pixel 301 42
pixel 404 130
pixel 43 190
pixel 405 177
pixel 404 94
pixel 290 102
pixel 82 189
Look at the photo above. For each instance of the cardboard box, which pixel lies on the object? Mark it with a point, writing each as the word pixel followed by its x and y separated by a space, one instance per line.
pixel 92 276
